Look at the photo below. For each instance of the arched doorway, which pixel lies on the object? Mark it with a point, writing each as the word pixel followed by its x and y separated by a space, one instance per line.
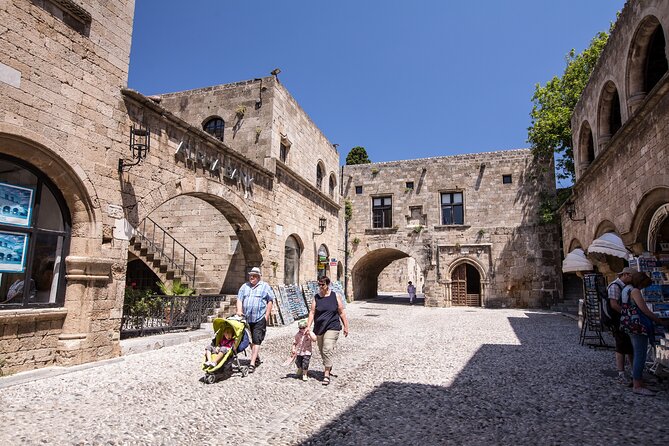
pixel 291 261
pixel 322 261
pixel 465 286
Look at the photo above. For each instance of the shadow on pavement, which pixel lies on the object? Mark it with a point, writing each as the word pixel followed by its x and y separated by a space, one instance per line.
pixel 532 393
pixel 395 299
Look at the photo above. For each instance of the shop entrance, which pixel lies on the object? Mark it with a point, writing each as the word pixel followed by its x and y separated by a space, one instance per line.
pixel 466 286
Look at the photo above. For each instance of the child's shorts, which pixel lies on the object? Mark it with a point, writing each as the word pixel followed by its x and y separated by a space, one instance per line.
pixel 302 362
pixel 216 350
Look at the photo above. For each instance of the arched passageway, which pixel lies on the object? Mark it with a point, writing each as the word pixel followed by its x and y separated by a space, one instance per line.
pixel 366 271
pixel 214 231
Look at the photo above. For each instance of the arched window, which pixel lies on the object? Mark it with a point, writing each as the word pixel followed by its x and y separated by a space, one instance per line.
pixel 319 176
pixel 586 147
pixel 215 127
pixel 34 240
pixel 610 119
pixel 656 61
pixel 647 61
pixel 333 185
pixel 291 269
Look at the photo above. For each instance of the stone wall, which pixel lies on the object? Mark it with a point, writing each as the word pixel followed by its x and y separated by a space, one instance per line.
pixel 501 229
pixel 60 110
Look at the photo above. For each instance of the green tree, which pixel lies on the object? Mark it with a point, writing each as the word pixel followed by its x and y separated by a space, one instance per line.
pixel 357 155
pixel 550 131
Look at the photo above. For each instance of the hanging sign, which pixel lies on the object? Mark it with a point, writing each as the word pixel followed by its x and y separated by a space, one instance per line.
pixel 333 262
pixel 15 205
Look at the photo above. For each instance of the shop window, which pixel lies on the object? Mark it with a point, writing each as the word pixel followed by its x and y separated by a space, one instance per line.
pixel 215 127
pixel 382 212
pixel 34 238
pixel 506 179
pixel 452 209
pixel 358 190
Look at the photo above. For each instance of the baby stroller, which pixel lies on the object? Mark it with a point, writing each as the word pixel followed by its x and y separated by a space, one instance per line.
pixel 230 362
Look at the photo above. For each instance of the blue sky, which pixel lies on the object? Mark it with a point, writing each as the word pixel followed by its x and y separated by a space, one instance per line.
pixel 402 79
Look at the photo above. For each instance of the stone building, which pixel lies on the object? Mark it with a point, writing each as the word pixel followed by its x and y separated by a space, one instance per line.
pixel 238 174
pixel 464 228
pixel 620 129
pixel 223 179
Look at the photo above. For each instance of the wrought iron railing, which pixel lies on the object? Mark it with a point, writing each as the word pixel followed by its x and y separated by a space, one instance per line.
pixel 160 314
pixel 158 241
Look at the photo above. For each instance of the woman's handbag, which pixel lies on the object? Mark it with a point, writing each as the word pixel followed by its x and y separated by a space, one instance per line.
pixel 633 321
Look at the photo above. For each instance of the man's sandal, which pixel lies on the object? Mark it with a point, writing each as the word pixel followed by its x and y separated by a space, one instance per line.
pixel 326 380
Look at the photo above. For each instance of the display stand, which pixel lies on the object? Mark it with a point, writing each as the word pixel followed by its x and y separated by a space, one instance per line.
pixel 592 324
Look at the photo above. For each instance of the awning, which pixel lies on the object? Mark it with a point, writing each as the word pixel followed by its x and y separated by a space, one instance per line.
pixel 610 244
pixel 576 261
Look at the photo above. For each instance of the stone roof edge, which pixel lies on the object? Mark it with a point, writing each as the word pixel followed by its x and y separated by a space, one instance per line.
pixel 214 87
pixel 147 102
pixel 458 157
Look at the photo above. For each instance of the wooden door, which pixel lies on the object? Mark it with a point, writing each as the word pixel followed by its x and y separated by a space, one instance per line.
pixel 459 286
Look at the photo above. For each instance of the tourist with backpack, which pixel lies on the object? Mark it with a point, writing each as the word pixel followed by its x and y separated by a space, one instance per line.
pixel 611 318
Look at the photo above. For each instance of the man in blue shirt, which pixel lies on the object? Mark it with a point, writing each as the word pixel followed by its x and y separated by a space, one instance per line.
pixel 254 301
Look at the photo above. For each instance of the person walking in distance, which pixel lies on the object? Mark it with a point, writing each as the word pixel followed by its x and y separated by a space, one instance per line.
pixel 254 302
pixel 411 289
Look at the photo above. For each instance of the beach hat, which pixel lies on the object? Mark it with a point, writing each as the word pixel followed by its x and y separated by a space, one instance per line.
pixel 627 270
pixel 255 270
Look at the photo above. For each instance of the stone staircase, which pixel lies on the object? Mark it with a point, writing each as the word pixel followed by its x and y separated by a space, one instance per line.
pixel 228 307
pixel 163 268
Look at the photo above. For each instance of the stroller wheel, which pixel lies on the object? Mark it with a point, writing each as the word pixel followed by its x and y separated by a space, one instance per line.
pixel 245 371
pixel 210 379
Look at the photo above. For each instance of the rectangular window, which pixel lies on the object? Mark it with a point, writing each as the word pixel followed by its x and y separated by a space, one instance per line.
pixel 506 179
pixel 382 212
pixel 409 185
pixel 452 210
pixel 358 190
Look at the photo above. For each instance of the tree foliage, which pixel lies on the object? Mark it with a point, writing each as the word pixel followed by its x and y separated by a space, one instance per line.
pixel 550 131
pixel 357 155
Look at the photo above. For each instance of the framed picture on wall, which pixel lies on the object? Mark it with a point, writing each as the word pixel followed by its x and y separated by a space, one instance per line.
pixel 13 247
pixel 16 204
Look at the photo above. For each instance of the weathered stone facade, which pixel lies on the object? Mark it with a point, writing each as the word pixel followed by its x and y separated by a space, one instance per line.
pixel 63 66
pixel 621 143
pixel 269 185
pixel 511 256
pixel 65 115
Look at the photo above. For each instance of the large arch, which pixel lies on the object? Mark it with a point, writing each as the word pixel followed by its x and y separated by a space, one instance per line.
pixel 226 200
pixel 646 212
pixel 293 249
pixel 646 60
pixel 367 266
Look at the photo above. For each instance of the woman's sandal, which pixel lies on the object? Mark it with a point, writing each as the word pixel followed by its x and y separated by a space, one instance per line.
pixel 326 380
pixel 252 368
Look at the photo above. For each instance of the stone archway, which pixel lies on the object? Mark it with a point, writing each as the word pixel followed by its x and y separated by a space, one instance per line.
pixel 368 265
pixel 467 283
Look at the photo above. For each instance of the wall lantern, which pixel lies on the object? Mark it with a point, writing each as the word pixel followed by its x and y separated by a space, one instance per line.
pixel 140 143
pixel 322 224
pixel 570 209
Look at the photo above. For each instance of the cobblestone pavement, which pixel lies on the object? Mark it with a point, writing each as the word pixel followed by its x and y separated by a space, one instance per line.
pixel 405 375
